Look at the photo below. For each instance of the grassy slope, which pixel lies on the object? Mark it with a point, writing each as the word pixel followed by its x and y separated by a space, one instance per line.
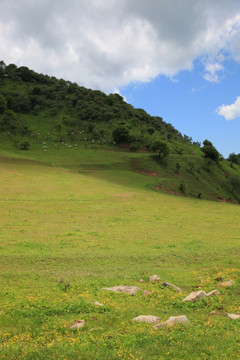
pixel 198 181
pixel 96 228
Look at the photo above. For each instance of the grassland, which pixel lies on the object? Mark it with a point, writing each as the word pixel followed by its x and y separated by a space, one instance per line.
pixel 70 227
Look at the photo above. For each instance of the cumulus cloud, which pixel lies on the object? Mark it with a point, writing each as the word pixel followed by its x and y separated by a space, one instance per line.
pixel 230 112
pixel 106 44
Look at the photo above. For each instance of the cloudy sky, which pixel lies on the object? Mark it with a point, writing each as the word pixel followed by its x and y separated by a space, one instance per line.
pixel 179 59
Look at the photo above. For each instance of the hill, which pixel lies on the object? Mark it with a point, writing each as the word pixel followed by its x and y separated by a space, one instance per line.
pixel 61 123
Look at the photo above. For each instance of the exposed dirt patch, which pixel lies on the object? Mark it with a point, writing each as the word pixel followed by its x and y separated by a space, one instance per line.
pixel 123 195
pixel 226 200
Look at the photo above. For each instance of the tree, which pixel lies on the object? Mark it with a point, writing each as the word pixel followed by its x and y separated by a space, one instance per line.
pixel 3 104
pixel 235 183
pixel 121 135
pixel 162 149
pixel 151 131
pixel 2 69
pixel 8 121
pixel 25 145
pixel 209 151
pixel 234 158
pixel 207 143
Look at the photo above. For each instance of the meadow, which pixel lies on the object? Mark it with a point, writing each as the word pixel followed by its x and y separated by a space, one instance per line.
pixel 68 229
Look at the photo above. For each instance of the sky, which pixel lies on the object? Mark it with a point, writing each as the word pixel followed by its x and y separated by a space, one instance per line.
pixel 178 59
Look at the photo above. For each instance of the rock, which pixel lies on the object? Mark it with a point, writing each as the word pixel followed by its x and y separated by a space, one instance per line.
pixel 131 290
pixel 150 319
pixel 141 281
pixel 226 284
pixel 173 286
pixel 154 278
pixel 77 324
pixel 213 293
pixel 148 292
pixel 234 316
pixel 97 303
pixel 172 321
pixel 194 296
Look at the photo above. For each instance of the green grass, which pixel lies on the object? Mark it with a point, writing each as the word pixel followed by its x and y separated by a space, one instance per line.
pixel 75 222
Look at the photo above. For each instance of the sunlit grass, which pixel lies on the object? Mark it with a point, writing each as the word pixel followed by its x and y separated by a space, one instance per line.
pixel 65 235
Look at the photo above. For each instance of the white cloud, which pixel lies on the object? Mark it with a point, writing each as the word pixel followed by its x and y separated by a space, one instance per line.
pixel 109 43
pixel 230 112
pixel 212 72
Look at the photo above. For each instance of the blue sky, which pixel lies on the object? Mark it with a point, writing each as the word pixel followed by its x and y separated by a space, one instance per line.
pixel 190 104
pixel 178 59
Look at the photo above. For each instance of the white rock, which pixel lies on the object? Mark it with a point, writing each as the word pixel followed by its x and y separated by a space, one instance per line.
pixel 172 321
pixel 213 293
pixel 131 290
pixel 194 296
pixel 77 324
pixel 234 316
pixel 154 278
pixel 150 319
pixel 226 284
pixel 172 286
pixel 98 304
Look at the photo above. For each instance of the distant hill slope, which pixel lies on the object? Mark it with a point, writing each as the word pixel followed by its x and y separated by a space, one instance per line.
pixel 43 114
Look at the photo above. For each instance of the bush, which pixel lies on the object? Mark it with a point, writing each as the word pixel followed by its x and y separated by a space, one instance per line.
pixel 162 149
pixel 121 135
pixel 209 151
pixel 25 145
pixel 182 188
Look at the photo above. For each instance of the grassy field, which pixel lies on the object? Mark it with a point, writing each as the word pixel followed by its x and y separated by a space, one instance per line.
pixel 69 229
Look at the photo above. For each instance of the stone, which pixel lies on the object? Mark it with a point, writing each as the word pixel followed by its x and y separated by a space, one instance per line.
pixel 77 324
pixel 154 278
pixel 234 316
pixel 141 281
pixel 226 284
pixel 150 319
pixel 172 321
pixel 173 286
pixel 213 293
pixel 131 290
pixel 194 296
pixel 98 304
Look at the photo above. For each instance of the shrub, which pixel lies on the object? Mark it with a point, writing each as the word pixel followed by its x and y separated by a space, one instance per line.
pixel 121 135
pixel 25 145
pixel 160 147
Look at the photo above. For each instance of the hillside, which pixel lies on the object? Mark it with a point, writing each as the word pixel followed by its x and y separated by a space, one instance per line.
pixel 65 236
pixel 58 122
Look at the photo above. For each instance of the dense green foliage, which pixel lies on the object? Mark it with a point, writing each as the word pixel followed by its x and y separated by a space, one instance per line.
pixel 72 109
